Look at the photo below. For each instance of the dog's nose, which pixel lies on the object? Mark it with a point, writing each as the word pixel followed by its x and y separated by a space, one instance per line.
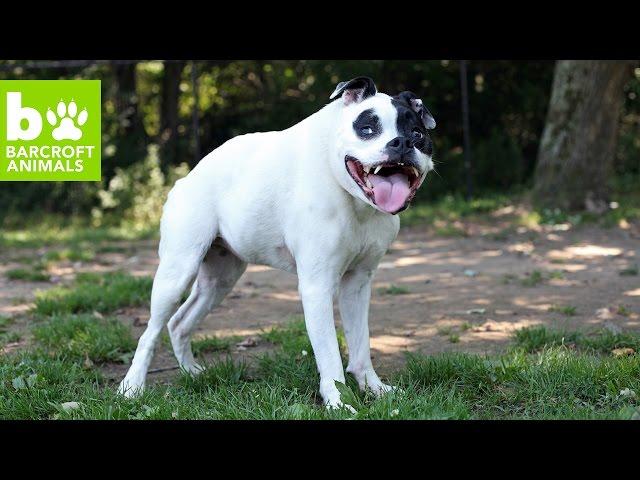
pixel 400 146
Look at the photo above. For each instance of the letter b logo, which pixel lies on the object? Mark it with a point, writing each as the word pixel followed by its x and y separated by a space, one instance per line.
pixel 16 113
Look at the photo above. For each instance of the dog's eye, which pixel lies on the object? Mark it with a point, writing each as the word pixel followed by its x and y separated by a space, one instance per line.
pixel 417 135
pixel 366 130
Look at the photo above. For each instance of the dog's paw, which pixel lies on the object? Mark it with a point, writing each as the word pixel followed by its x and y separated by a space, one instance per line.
pixel 130 389
pixel 192 368
pixel 369 381
pixel 382 389
pixel 339 405
pixel 332 397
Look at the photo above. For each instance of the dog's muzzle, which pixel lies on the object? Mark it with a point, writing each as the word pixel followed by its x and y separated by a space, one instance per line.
pixel 390 185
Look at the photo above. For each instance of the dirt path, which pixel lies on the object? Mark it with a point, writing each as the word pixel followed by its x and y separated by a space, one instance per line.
pixel 462 294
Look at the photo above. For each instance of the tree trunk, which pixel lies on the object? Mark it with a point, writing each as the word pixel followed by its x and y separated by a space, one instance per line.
pixel 131 135
pixel 578 144
pixel 169 111
pixel 130 122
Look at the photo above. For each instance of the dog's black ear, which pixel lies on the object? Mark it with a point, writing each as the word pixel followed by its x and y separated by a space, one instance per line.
pixel 417 106
pixel 355 90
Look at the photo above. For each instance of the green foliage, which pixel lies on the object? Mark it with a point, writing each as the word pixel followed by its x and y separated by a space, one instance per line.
pixel 28 275
pixel 91 292
pixel 629 271
pixel 533 339
pixel 136 194
pixel 9 337
pixel 536 277
pixel 69 254
pixel 291 337
pixel 148 133
pixel 222 373
pixel 393 290
pixel 213 344
pixel 553 382
pixel 566 310
pixel 508 103
pixel 80 337
pixel 451 208
pixel 76 233
pixel 5 322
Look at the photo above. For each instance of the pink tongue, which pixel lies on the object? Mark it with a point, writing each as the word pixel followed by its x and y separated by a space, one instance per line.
pixel 390 193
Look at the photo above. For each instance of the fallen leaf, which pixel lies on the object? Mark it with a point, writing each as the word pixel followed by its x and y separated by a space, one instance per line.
pixel 604 313
pixel 489 326
pixel 248 342
pixel 68 406
pixel 476 311
pixel 627 392
pixel 622 352
pixel 19 383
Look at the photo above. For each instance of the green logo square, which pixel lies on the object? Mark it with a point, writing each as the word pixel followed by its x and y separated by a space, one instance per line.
pixel 50 130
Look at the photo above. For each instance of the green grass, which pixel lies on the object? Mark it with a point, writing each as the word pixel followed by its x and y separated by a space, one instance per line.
pixel 452 208
pixel 566 310
pixel 393 290
pixel 75 233
pixel 9 337
pixel 213 344
pixel 5 322
pixel 115 249
pixel 541 377
pixel 532 280
pixel 27 275
pixel 77 254
pixel 80 337
pixel 554 383
pixel 557 275
pixel 534 339
pixel 90 292
pixel 444 331
pixel 630 271
pixel 623 310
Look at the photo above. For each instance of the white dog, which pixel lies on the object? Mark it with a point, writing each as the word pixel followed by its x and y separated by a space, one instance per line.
pixel 318 199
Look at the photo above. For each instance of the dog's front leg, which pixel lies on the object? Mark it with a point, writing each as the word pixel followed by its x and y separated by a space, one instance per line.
pixel 317 300
pixel 354 297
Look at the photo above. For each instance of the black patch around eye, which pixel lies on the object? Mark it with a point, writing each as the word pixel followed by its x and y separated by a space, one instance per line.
pixel 407 121
pixel 370 120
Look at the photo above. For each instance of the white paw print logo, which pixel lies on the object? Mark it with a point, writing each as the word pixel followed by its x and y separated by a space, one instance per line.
pixel 66 115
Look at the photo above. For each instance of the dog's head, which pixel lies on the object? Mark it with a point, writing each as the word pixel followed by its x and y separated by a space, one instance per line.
pixel 382 150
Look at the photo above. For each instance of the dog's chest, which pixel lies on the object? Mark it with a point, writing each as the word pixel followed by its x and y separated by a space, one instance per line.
pixel 362 245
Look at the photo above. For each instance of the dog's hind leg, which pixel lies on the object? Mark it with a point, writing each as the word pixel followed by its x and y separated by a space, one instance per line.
pixel 217 275
pixel 180 259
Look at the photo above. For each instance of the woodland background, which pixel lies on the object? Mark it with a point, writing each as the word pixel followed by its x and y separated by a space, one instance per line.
pixel 151 110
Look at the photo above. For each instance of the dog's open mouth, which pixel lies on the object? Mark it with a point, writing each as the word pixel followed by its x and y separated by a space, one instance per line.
pixel 391 186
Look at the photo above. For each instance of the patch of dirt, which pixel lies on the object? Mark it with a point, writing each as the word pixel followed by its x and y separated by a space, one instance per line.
pixel 476 290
